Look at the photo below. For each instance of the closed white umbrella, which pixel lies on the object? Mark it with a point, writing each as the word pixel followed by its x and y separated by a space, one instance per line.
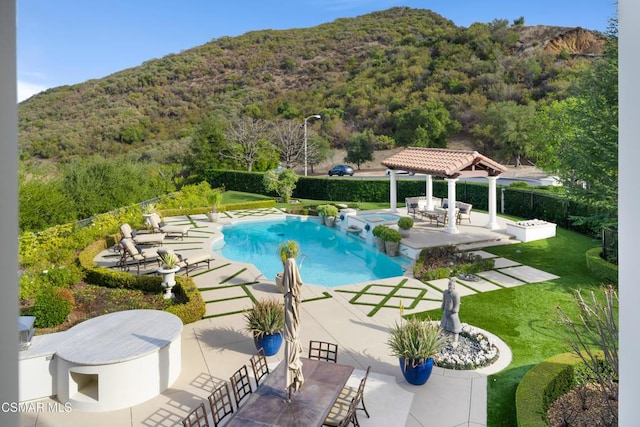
pixel 292 346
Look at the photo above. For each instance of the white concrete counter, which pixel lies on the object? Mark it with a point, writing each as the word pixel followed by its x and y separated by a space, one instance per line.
pixel 106 363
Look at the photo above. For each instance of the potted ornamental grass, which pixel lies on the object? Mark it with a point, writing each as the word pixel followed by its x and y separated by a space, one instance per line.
pixel 215 199
pixel 168 269
pixel 414 342
pixel 265 321
pixel 405 224
pixel 286 249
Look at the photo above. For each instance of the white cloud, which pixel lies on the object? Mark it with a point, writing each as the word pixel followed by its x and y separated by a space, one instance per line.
pixel 26 90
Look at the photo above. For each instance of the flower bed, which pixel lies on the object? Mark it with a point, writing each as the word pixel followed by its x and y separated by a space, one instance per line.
pixel 474 350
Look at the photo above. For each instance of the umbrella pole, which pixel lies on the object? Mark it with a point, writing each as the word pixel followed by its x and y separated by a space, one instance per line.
pixel 289 400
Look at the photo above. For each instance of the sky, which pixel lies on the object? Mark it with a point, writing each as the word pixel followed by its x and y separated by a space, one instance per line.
pixel 65 42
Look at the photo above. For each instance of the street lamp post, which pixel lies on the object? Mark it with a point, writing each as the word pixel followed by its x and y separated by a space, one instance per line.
pixel 314 116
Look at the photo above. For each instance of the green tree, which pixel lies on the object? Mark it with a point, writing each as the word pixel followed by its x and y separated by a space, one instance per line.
pixel 360 148
pixel 283 183
pixel 99 185
pixel 43 203
pixel 428 125
pixel 580 139
pixel 505 130
pixel 207 144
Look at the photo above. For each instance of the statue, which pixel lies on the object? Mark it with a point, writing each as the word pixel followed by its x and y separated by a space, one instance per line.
pixel 450 308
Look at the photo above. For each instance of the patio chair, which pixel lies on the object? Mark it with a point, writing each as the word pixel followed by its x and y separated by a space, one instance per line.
pixel 158 226
pixel 220 403
pixel 320 350
pixel 259 365
pixel 464 212
pixel 342 415
pixel 141 239
pixel 131 254
pixel 240 384
pixel 349 393
pixel 197 417
pixel 188 263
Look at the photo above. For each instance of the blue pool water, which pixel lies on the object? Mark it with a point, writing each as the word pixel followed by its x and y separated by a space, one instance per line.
pixel 327 256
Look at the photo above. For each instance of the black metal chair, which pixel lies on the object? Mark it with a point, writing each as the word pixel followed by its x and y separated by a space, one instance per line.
pixel 349 394
pixel 197 417
pixel 220 403
pixel 321 350
pixel 342 415
pixel 240 384
pixel 259 365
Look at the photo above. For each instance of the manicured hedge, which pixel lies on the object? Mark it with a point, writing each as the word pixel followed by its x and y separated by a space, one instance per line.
pixel 531 202
pixel 542 385
pixel 190 311
pixel 601 268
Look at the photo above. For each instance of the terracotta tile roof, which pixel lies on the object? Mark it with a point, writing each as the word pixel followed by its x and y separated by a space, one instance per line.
pixel 444 163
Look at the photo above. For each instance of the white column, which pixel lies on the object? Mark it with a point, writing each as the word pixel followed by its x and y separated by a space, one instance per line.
pixel 493 223
pixel 451 210
pixel 393 191
pixel 429 185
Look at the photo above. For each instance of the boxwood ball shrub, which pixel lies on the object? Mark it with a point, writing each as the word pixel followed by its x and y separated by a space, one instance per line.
pixel 52 306
pixel 405 222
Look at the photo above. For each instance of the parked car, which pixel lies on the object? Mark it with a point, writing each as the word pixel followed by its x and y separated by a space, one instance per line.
pixel 400 172
pixel 341 170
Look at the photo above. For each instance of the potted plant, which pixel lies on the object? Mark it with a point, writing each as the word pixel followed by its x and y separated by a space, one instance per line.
pixel 414 342
pixel 391 239
pixel 289 246
pixel 265 321
pixel 328 214
pixel 377 232
pixel 404 225
pixel 168 271
pixel 215 199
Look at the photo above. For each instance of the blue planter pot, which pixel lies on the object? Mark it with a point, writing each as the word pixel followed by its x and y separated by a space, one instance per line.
pixel 270 343
pixel 417 375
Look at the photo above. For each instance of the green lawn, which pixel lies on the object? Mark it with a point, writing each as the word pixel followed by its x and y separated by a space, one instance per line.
pixel 525 316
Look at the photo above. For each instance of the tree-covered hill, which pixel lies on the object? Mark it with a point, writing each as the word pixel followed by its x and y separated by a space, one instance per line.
pixel 376 72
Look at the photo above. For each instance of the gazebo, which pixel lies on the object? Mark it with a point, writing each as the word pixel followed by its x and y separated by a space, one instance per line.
pixel 450 165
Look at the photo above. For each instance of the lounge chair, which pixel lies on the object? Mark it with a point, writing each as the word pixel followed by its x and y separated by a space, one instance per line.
pixel 190 262
pixel 131 254
pixel 142 239
pixel 176 230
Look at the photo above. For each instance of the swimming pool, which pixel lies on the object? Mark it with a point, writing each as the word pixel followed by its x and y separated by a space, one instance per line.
pixel 327 256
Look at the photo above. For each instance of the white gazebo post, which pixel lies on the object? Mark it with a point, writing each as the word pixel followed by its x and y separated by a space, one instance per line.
pixel 393 191
pixel 493 223
pixel 429 186
pixel 451 197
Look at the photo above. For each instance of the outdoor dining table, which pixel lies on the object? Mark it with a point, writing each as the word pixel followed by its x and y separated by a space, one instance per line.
pixel 309 406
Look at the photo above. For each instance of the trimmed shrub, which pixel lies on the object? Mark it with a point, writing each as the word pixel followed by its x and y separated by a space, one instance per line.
pixel 542 385
pixel 405 222
pixel 193 308
pixel 600 267
pixel 52 306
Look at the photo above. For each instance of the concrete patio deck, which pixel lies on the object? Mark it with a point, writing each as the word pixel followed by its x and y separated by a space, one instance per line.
pixel 357 317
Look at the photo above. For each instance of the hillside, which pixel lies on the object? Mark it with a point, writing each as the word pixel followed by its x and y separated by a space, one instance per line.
pixel 358 73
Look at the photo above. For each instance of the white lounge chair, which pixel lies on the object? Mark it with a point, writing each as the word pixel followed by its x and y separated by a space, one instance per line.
pixel 176 230
pixel 142 239
pixel 190 262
